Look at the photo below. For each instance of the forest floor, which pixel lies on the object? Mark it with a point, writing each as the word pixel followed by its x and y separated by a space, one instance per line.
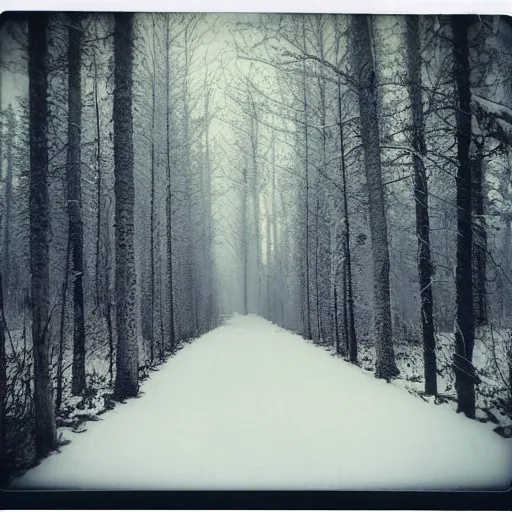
pixel 252 406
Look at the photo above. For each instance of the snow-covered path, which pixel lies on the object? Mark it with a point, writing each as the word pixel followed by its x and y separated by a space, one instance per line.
pixel 251 406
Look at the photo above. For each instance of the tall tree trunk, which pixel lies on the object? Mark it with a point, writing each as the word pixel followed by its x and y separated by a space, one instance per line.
pixel 191 285
pixel 126 384
pixel 208 212
pixel 323 117
pixel 108 311
pixel 317 250
pixel 39 206
pixel 479 235
pixel 268 235
pixel 99 190
pixel 3 388
pixel 152 201
pixel 362 58
pixel 62 336
pixel 170 298
pixel 276 280
pixel 465 378
pixel 245 262
pixel 11 130
pixel 1 114
pixel 75 226
pixel 255 203
pixel 425 269
pixel 349 296
pixel 306 166
pixel 336 321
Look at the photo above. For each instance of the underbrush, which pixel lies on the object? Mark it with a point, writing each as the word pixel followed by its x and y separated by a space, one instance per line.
pixel 74 411
pixel 489 359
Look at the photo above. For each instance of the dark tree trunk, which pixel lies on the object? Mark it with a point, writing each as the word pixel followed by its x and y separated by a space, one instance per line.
pixel 3 388
pixel 245 238
pixel 126 384
pixel 255 196
pixel 193 321
pixel 509 361
pixel 336 326
pixel 152 201
pixel 45 432
pixel 317 291
pixel 306 209
pixel 100 299
pixel 479 236
pixel 75 229
pixel 110 332
pixel 170 298
pixel 465 378
pixel 60 358
pixel 425 269
pixel 349 294
pixel 362 57
pixel 11 129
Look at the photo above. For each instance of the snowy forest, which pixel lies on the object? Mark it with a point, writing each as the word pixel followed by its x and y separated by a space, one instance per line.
pixel 345 178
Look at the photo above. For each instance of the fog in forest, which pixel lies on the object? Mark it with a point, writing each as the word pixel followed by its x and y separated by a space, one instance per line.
pixel 346 177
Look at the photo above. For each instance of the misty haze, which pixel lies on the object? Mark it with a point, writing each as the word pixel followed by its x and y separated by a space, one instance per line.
pixel 255 251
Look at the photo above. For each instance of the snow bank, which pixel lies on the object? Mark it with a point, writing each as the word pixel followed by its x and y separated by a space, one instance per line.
pixel 251 406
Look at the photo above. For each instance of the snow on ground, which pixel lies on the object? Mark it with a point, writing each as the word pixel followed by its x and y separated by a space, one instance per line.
pixel 251 406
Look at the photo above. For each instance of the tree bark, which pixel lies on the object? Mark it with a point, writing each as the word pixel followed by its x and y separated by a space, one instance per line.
pixel 99 192
pixel 152 200
pixel 306 168
pixel 479 235
pixel 256 202
pixel 74 193
pixel 170 298
pixel 3 388
pixel 276 280
pixel 39 206
pixel 425 268
pixel 193 323
pixel 126 384
pixel 60 357
pixel 245 242
pixel 465 378
pixel 11 130
pixel 363 63
pixel 349 306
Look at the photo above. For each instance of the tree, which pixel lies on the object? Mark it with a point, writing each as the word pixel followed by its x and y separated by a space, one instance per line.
pixel 126 384
pixel 45 432
pixel 3 386
pixel 170 298
pixel 152 199
pixel 363 64
pixel 74 197
pixel 465 377
pixel 307 333
pixel 9 139
pixel 425 268
pixel 348 293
